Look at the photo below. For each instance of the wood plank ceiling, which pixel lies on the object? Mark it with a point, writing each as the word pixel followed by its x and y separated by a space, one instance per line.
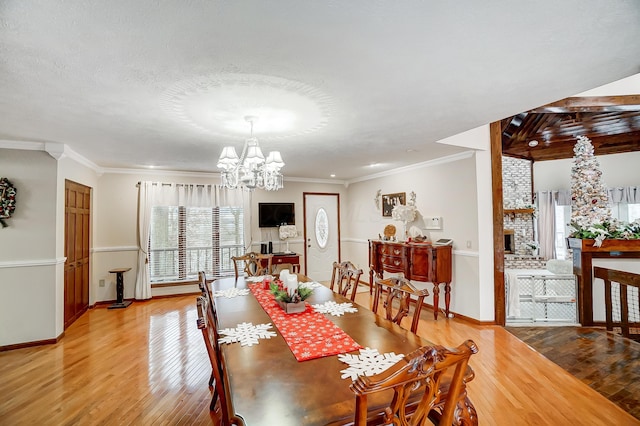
pixel 611 122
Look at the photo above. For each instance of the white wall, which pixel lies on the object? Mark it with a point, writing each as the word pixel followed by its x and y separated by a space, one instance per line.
pixel 443 189
pixel 28 256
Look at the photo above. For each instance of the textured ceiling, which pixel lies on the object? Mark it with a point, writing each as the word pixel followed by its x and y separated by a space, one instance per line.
pixel 337 85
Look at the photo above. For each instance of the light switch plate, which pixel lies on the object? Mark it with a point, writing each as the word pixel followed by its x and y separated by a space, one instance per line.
pixel 433 223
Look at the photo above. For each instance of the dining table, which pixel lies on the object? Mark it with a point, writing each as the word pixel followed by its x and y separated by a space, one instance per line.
pixel 269 386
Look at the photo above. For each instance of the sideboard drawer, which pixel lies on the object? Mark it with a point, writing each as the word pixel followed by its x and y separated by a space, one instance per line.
pixel 392 263
pixel 391 250
pixel 276 260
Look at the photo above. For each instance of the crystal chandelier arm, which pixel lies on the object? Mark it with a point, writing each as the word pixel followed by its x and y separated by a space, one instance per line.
pixel 251 170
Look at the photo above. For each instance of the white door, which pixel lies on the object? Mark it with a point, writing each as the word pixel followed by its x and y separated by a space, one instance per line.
pixel 322 234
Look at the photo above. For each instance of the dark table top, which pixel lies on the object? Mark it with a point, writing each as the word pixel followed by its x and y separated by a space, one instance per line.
pixel 269 386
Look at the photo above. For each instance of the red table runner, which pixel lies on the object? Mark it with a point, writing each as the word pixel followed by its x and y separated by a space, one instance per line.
pixel 309 334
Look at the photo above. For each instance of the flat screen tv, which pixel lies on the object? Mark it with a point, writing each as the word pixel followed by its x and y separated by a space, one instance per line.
pixel 271 215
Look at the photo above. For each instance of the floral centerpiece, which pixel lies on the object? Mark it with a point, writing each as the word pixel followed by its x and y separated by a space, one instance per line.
pixel 282 294
pixel 610 228
pixel 288 293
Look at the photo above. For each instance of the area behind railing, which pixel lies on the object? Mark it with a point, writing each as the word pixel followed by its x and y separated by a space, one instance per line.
pixel 622 301
pixel 169 265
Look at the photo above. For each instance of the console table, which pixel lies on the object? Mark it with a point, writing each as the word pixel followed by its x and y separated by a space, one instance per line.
pixel 417 261
pixel 292 258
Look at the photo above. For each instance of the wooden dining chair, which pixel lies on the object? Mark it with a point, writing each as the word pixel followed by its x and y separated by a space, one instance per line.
pixel 429 386
pixel 253 264
pixel 210 313
pixel 399 294
pixel 219 381
pixel 345 279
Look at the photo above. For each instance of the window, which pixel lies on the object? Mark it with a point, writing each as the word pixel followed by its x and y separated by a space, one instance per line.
pixel 185 240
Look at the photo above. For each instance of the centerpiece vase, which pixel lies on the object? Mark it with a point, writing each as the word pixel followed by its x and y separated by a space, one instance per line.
pixel 292 308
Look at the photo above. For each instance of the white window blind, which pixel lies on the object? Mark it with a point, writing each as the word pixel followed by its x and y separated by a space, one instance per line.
pixel 185 240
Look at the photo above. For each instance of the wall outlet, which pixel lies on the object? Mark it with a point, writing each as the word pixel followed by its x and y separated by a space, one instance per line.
pixel 433 222
pixel 468 243
pixel 101 283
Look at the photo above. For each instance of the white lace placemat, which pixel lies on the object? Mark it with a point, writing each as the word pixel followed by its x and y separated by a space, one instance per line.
pixel 335 309
pixel 368 363
pixel 246 333
pixel 310 284
pixel 231 292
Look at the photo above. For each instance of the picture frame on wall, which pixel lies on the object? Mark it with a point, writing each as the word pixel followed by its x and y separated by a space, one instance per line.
pixel 389 201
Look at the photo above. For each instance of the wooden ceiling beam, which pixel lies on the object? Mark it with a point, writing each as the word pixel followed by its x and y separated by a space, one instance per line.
pixel 602 145
pixel 591 104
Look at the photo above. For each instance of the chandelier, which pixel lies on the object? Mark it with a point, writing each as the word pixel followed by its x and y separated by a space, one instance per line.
pixel 251 170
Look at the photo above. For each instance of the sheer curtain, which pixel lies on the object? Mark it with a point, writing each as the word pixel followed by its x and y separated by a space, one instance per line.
pixel 151 194
pixel 547 223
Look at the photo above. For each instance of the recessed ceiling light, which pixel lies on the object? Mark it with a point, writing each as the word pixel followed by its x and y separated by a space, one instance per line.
pixel 332 175
pixel 374 164
pixel 533 143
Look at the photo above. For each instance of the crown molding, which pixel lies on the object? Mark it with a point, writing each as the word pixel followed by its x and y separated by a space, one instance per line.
pixel 25 145
pixel 430 163
pixel 208 175
pixel 150 172
pixel 59 151
pixel 54 149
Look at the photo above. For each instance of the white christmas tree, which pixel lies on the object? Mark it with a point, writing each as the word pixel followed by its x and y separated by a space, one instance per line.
pixel 588 194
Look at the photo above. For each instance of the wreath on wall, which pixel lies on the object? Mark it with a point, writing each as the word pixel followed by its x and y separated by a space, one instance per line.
pixel 7 200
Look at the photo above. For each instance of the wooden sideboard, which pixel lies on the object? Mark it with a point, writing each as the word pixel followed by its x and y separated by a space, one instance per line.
pixel 417 261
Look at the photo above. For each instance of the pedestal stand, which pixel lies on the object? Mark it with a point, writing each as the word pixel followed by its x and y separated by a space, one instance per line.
pixel 120 302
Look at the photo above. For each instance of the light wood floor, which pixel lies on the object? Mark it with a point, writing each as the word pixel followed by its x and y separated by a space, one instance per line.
pixel 147 364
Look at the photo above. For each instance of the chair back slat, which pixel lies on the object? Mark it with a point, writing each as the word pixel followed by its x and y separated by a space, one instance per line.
pixel 428 385
pixel 398 294
pixel 345 279
pixel 253 264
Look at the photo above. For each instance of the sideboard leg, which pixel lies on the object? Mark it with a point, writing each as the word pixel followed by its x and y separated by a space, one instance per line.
pixel 447 298
pixel 436 300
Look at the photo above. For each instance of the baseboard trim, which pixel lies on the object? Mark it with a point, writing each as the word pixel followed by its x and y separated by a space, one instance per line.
pixel 164 296
pixel 31 344
pixel 456 316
